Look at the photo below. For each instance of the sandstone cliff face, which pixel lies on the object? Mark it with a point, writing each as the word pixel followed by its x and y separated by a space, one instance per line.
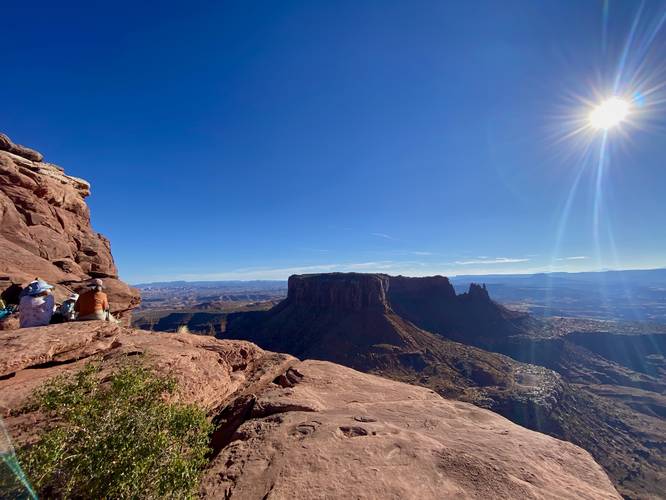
pixel 472 317
pixel 438 287
pixel 341 291
pixel 45 230
pixel 290 429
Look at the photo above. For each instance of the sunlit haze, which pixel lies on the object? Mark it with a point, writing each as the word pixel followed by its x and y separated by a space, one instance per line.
pixel 609 113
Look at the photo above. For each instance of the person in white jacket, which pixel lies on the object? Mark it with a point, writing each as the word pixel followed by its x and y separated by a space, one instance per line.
pixel 36 305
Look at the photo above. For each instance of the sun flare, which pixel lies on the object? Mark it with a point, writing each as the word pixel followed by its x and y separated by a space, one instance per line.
pixel 609 113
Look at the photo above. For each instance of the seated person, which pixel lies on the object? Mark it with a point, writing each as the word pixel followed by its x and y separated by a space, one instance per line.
pixel 93 304
pixel 65 312
pixel 36 305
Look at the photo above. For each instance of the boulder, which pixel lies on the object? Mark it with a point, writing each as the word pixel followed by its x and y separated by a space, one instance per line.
pixel 6 144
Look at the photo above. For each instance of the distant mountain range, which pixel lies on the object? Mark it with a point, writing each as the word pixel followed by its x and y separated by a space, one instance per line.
pixel 636 277
pixel 213 284
pixel 629 295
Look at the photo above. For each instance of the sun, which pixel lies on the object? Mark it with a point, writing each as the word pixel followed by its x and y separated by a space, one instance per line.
pixel 609 113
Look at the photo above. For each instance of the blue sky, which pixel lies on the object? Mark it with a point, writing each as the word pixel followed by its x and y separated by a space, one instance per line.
pixel 243 140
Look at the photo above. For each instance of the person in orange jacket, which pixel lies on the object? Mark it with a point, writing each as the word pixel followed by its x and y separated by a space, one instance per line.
pixel 93 304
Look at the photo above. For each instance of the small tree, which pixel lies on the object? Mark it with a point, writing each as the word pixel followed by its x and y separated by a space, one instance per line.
pixel 119 438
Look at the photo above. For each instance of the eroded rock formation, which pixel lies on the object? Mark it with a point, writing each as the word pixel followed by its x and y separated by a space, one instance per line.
pixel 291 429
pixel 472 317
pixel 45 230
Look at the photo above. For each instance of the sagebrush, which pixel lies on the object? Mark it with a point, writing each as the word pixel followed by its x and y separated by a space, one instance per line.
pixel 120 437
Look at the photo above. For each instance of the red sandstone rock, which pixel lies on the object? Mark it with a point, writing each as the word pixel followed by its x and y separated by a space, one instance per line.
pixel 339 291
pixel 339 433
pixel 6 144
pixel 290 429
pixel 45 231
pixel 209 370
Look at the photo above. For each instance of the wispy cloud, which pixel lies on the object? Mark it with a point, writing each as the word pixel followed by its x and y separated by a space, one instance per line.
pixel 264 273
pixel 575 257
pixel 383 235
pixel 487 260
pixel 414 267
pixel 417 252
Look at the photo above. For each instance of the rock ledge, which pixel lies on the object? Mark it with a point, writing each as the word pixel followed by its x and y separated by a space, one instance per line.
pixel 312 429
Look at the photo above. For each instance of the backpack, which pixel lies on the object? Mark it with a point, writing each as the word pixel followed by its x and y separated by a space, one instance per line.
pixel 66 309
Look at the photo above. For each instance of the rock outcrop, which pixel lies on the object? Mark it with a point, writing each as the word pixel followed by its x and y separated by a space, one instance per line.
pixel 312 429
pixel 6 144
pixel 45 231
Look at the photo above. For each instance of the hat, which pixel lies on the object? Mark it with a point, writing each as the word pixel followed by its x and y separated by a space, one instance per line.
pixel 36 287
pixel 97 282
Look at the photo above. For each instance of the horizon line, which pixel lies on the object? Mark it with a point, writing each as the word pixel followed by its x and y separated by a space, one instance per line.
pixel 435 274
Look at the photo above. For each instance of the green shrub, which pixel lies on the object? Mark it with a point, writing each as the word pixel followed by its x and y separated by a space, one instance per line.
pixel 118 438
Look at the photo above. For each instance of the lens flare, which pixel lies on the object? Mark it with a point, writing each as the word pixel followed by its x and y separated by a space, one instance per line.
pixel 609 113
pixel 594 125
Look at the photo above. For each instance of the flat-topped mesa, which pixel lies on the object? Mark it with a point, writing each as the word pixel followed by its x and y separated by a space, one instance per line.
pixel 430 302
pixel 340 291
pixel 45 231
